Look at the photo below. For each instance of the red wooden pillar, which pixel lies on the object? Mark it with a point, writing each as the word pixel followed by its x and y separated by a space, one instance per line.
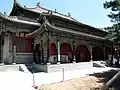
pixel 1 47
pixel 42 52
pixel 58 47
pixel 91 56
pixel 14 48
pixel 74 57
pixel 48 47
pixel 104 52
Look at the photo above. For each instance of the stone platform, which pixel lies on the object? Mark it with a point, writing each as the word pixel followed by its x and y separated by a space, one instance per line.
pixel 15 67
pixel 50 67
pixel 9 68
pixel 59 67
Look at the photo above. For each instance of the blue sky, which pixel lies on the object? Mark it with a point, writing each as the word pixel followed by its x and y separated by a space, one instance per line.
pixel 90 12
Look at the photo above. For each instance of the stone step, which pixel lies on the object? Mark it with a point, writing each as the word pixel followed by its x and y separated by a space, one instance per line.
pixel 99 64
pixel 33 68
pixel 24 68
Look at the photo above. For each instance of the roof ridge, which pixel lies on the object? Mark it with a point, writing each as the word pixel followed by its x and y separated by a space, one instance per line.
pixel 57 12
pixel 48 10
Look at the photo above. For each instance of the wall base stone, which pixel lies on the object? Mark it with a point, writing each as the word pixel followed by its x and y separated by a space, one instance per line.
pixel 59 67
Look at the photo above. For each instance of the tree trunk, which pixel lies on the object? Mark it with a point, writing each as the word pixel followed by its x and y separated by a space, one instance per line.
pixel 113 82
pixel 112 56
pixel 117 63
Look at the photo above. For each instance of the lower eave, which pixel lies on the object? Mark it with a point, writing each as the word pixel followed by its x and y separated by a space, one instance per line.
pixel 61 30
pixel 72 32
pixel 37 32
pixel 18 21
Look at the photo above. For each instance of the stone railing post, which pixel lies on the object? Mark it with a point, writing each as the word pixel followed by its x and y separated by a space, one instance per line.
pixel 74 57
pixel 58 47
pixel 91 56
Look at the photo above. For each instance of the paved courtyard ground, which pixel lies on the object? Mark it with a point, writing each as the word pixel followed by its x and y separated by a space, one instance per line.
pixel 82 83
pixel 16 80
pixel 90 82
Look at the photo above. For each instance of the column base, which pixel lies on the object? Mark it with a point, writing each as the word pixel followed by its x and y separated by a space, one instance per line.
pixel 2 64
pixel 33 62
pixel 13 63
pixel 74 62
pixel 58 62
pixel 48 63
pixel 91 60
pixel 42 63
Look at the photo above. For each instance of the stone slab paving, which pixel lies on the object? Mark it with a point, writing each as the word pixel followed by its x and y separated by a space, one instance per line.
pixel 16 80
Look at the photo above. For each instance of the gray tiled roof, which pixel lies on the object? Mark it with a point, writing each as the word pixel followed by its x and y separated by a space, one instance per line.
pixel 44 10
pixel 75 32
pixel 40 10
pixel 59 29
pixel 14 19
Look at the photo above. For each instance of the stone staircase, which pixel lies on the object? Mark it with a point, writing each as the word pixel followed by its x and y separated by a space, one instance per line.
pixel 32 68
pixel 99 64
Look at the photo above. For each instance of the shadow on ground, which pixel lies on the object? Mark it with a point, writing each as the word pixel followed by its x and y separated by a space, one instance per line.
pixel 104 77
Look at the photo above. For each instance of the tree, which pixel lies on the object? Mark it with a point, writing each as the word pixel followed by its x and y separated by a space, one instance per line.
pixel 114 31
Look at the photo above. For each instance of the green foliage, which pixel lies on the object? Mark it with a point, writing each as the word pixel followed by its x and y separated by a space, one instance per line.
pixel 112 4
pixel 114 31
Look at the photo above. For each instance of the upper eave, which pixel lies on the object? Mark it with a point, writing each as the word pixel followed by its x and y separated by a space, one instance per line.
pixel 37 10
pixel 52 15
pixel 16 6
